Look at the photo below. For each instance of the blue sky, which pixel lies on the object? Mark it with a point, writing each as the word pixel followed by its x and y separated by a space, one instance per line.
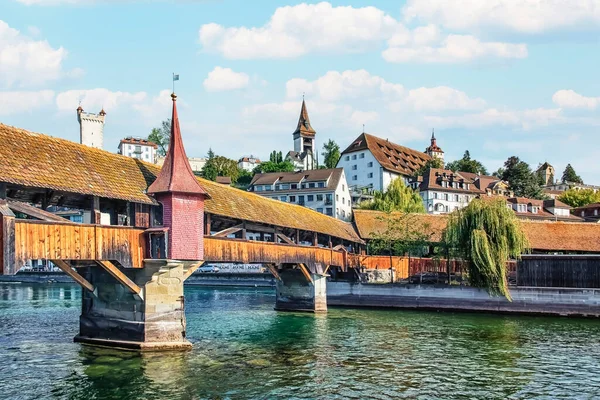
pixel 500 78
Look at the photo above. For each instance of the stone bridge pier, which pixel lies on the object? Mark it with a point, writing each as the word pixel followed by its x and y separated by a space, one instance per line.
pixel 142 309
pixel 301 288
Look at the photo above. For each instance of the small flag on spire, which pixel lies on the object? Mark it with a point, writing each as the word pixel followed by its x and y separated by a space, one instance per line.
pixel 175 77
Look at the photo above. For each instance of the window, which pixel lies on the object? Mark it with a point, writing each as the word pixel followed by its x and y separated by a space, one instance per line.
pixel 301 200
pixel 277 187
pixel 268 188
pixel 285 186
pixel 311 185
pixel 343 214
pixel 370 164
pixel 259 188
pixel 370 175
pixel 362 155
pixel 343 200
pixel 347 158
pixel 321 184
pixel 337 197
pixel 596 211
pixel 329 211
pixel 354 177
pixel 455 197
pixel 435 195
pixel 292 199
pixel 283 198
pixel 319 197
pixel 294 186
pixel 310 197
pixel 343 187
pixel 320 210
pixel 354 156
pixel 354 167
pixel 446 196
pixel 328 198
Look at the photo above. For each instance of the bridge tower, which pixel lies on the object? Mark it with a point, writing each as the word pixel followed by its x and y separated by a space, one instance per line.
pixel 144 308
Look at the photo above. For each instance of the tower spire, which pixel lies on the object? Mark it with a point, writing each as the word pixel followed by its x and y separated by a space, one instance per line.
pixel 176 174
pixel 304 127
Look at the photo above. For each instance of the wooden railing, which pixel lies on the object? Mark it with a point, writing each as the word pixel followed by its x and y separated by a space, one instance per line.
pixel 246 251
pixel 67 241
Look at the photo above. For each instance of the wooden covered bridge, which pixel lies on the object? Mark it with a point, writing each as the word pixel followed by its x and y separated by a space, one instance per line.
pixel 147 229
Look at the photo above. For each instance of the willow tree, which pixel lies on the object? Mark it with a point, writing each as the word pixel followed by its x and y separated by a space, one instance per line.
pixel 487 234
pixel 397 197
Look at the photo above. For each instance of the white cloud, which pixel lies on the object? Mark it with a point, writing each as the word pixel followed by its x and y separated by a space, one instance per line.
pixel 293 31
pixel 27 62
pixel 363 117
pixel 360 84
pixel 451 49
pixel 220 79
pixel 442 98
pixel 157 108
pixel 527 16
pixel 524 119
pixel 16 102
pixel 572 99
pixel 94 100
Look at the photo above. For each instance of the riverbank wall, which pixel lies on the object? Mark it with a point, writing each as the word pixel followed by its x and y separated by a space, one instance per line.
pixel 525 300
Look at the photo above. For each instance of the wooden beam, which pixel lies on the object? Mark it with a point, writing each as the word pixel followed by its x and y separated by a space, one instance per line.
pixel 7 240
pixel 228 231
pixel 244 236
pixel 67 269
pixel 285 238
pixel 207 223
pixel 273 271
pixel 326 269
pixel 95 210
pixel 3 190
pixel 274 233
pixel 330 242
pixel 315 239
pixel 306 273
pixel 297 236
pixel 191 269
pixel 120 276
pixel 35 212
pixel 339 247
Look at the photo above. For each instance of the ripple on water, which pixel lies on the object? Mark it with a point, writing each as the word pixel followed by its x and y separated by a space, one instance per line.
pixel 244 349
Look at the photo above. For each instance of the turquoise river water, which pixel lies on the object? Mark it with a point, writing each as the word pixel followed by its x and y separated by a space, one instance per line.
pixel 244 349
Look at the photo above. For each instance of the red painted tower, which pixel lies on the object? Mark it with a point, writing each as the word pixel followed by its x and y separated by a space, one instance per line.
pixel 182 198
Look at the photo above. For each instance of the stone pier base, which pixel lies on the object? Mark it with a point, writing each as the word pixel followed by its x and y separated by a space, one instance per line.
pixel 296 293
pixel 153 320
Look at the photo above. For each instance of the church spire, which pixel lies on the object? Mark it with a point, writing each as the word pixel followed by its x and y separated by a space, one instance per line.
pixel 176 174
pixel 304 127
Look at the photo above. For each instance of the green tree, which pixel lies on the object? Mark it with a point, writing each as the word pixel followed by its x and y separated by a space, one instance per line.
pixel 405 234
pixel 244 179
pixel 579 198
pixel 270 166
pixel 486 234
pixel 431 163
pixel 331 154
pixel 467 164
pixel 569 175
pixel 521 180
pixel 220 166
pixel 276 157
pixel 397 197
pixel 161 137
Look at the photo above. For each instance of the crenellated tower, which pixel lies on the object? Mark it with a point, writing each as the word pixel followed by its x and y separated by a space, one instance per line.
pixel 91 128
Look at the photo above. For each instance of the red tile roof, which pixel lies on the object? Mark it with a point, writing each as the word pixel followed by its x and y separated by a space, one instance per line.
pixel 391 156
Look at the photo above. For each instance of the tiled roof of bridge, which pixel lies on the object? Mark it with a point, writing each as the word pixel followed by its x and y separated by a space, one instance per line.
pixel 542 235
pixel 41 161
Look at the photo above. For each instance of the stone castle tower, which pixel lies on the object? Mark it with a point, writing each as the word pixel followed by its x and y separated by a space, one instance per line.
pixel 546 172
pixel 91 128
pixel 433 150
pixel 304 139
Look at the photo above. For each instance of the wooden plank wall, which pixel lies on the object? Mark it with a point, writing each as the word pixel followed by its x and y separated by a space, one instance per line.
pixel 559 271
pixel 399 264
pixel 60 241
pixel 245 251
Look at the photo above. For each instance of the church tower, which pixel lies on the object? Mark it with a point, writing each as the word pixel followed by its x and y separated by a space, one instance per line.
pixel 304 139
pixel 91 128
pixel 433 150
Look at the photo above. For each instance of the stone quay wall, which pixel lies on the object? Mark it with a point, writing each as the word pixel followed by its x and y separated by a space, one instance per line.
pixel 526 300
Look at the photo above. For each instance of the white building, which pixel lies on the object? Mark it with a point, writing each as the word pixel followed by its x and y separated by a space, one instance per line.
pixel 138 148
pixel 433 150
pixel 91 128
pixel 552 210
pixel 303 157
pixel 323 190
pixel 248 163
pixel 444 191
pixel 196 163
pixel 371 163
